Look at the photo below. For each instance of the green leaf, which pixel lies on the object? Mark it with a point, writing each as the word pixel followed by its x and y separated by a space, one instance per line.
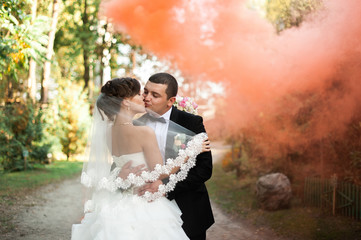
pixel 13 19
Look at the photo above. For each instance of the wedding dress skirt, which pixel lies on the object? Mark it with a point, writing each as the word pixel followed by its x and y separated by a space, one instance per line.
pixel 124 215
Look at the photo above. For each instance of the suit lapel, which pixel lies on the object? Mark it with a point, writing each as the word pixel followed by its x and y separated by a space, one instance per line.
pixel 174 115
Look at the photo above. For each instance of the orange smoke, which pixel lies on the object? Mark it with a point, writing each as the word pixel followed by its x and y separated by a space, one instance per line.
pixel 266 75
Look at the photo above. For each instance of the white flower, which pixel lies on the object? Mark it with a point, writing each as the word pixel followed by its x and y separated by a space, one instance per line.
pixel 186 104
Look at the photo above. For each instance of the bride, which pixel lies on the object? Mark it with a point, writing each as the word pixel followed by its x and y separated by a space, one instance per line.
pixel 118 149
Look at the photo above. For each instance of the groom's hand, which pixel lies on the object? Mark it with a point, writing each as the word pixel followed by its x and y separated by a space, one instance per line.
pixel 206 146
pixel 150 187
pixel 128 169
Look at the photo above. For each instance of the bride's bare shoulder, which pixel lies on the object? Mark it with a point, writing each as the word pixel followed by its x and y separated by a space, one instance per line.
pixel 146 132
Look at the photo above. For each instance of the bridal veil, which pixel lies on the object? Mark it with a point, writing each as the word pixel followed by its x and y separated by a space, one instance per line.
pixel 98 174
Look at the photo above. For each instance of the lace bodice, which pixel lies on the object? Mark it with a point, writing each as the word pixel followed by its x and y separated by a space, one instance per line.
pixel 136 158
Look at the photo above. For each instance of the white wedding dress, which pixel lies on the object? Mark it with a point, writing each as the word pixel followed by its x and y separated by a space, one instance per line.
pixel 124 215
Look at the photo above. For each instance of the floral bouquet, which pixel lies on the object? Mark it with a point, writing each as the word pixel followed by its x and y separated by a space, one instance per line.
pixel 186 104
pixel 179 142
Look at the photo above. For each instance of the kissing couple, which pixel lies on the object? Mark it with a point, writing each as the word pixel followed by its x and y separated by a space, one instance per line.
pixel 145 176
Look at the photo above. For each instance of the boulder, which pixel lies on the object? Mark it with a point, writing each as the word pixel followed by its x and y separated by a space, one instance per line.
pixel 274 191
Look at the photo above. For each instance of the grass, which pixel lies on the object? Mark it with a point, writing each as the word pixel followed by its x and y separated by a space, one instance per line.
pixel 237 197
pixel 16 185
pixel 15 182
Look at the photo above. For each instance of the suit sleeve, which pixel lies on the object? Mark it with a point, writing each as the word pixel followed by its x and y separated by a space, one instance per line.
pixel 199 174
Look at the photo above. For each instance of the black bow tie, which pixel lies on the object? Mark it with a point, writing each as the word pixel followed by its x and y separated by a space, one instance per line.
pixel 156 119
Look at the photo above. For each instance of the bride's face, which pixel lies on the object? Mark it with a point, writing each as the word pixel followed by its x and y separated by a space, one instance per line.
pixel 137 104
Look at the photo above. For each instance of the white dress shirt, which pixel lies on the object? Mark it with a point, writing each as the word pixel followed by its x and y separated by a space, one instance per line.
pixel 161 130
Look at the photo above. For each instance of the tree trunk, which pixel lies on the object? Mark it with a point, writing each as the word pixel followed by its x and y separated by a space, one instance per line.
pixel 86 69
pixel 134 62
pixel 10 92
pixel 238 171
pixel 32 63
pixel 86 53
pixel 238 164
pixel 101 69
pixel 101 56
pixel 32 79
pixel 49 52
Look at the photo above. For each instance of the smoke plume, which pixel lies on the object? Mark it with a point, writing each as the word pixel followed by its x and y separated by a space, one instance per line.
pixel 309 75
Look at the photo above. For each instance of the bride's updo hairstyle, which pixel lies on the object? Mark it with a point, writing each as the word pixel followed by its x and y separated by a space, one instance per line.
pixel 113 93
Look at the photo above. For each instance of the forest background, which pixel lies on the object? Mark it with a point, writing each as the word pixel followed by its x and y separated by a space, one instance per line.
pixel 56 54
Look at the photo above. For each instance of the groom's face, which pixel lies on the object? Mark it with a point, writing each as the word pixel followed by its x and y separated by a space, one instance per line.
pixel 155 98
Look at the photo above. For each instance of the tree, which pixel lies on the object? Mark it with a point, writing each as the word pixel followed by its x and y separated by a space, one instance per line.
pixel 72 118
pixel 285 14
pixel 86 44
pixel 19 40
pixel 32 62
pixel 86 48
pixel 75 41
pixel 49 51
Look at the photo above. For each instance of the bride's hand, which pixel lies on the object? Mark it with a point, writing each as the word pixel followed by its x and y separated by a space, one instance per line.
pixel 128 169
pixel 149 187
pixel 206 146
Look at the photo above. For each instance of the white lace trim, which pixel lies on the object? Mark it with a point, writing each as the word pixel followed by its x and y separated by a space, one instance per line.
pixel 113 182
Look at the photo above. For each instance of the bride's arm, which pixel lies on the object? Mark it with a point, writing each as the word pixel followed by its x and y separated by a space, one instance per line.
pixel 153 187
pixel 152 153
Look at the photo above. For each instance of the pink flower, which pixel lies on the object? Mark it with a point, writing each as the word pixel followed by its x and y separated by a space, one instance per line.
pixel 186 104
pixel 183 103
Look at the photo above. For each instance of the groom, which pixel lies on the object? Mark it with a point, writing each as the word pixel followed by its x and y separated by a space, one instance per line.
pixel 190 194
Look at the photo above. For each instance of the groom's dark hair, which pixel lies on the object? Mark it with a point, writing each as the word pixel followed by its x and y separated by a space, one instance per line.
pixel 167 79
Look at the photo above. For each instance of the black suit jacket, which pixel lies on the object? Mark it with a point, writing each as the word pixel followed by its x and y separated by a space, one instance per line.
pixel 191 194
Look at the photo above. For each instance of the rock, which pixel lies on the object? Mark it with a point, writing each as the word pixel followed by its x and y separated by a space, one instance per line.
pixel 274 191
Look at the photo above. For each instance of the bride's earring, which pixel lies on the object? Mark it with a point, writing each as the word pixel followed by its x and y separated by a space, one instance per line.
pixel 128 108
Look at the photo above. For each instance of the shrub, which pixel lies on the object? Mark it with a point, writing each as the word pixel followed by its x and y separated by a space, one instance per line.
pixel 71 121
pixel 22 134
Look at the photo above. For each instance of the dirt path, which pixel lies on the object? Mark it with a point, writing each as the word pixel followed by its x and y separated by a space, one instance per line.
pixel 50 212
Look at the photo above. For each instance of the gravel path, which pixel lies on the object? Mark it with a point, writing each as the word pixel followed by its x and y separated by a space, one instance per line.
pixel 50 212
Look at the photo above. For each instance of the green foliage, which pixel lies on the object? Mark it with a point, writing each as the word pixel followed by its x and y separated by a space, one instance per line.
pixel 71 120
pixel 19 40
pixel 285 14
pixel 18 182
pixel 77 33
pixel 84 35
pixel 22 134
